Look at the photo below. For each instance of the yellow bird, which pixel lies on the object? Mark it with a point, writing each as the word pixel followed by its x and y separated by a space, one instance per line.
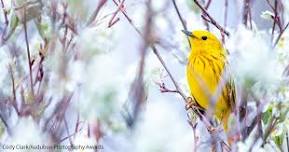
pixel 205 72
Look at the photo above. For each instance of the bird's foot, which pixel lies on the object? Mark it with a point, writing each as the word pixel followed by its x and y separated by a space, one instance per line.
pixel 190 103
pixel 213 130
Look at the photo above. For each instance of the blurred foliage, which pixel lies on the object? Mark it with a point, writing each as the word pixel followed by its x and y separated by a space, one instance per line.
pixel 82 75
pixel 267 115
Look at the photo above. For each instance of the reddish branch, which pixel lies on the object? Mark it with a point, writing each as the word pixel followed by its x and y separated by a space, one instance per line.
pixel 164 89
pixel 276 21
pixel 121 9
pixel 113 19
pixel 276 18
pixel 96 11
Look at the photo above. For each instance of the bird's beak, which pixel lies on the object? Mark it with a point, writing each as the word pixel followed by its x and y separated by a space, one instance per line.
pixel 188 33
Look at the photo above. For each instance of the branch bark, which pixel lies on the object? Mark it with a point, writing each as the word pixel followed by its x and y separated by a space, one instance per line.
pixel 210 19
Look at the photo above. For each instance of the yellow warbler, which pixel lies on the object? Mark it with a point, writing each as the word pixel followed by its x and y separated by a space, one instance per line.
pixel 206 73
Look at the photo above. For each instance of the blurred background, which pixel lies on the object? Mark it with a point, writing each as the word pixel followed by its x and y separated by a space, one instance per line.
pixel 76 72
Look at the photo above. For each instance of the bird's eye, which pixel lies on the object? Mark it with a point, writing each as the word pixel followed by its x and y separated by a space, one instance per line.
pixel 204 37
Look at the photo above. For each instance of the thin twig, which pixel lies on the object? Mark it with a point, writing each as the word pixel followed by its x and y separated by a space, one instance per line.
pixel 14 103
pixel 247 13
pixel 250 16
pixel 77 123
pixel 88 130
pixel 67 137
pixel 4 13
pixel 226 13
pixel 181 20
pixel 280 35
pixel 67 131
pixel 156 52
pixel 164 89
pixel 276 18
pixel 225 19
pixel 226 146
pixel 96 11
pixel 195 138
pixel 13 83
pixel 287 140
pixel 207 7
pixel 274 21
pixel 210 19
pixel 208 4
pixel 123 10
pixel 28 53
pixel 271 6
pixel 5 124
pixel 113 19
pixel 269 129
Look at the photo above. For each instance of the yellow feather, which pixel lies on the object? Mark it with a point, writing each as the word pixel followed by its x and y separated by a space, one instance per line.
pixel 205 68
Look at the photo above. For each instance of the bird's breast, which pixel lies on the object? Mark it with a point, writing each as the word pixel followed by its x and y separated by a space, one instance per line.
pixel 204 74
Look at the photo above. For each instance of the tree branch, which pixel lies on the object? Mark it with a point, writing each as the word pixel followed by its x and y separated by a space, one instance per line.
pixel 280 35
pixel 96 11
pixel 28 52
pixel 181 20
pixel 4 13
pixel 211 20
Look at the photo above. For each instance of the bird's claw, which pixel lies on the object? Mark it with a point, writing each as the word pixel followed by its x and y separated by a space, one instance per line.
pixel 212 129
pixel 190 103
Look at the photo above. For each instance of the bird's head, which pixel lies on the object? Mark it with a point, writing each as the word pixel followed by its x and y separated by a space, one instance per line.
pixel 202 40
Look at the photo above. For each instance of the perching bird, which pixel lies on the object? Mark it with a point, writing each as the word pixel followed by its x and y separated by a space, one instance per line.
pixel 206 72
